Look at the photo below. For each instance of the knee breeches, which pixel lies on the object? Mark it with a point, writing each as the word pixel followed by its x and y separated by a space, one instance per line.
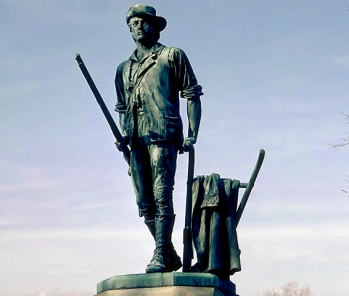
pixel 153 170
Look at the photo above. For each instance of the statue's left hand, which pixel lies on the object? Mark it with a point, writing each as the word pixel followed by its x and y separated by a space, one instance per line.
pixel 188 143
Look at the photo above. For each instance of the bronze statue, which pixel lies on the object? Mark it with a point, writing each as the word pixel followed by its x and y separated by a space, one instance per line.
pixel 148 86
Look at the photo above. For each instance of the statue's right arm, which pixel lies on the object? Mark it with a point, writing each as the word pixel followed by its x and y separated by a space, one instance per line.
pixel 120 106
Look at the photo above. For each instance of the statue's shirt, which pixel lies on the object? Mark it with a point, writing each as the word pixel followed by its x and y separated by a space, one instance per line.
pixel 148 93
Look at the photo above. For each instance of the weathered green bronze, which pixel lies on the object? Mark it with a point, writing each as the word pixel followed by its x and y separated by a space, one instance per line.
pixel 176 283
pixel 214 221
pixel 187 233
pixel 148 87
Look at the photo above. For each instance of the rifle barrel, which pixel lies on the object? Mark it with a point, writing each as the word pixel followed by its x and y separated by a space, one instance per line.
pixel 111 122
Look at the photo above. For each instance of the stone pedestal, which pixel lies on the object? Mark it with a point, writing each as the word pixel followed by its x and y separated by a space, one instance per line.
pixel 169 284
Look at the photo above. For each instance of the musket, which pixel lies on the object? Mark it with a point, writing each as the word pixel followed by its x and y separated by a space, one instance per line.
pixel 249 186
pixel 119 138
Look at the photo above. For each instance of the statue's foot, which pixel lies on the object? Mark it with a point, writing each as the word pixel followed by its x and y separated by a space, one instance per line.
pixel 173 261
pixel 156 264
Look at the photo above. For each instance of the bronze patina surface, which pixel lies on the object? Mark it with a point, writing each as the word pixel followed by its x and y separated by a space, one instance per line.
pixel 149 85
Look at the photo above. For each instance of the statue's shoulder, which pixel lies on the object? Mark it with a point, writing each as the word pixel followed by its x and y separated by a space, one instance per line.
pixel 175 49
pixel 122 67
pixel 173 53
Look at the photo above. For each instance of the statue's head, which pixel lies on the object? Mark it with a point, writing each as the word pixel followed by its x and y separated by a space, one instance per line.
pixel 148 14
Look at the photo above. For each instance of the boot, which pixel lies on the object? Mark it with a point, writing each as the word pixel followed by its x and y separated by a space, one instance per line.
pixel 162 237
pixel 172 260
pixel 165 258
pixel 151 225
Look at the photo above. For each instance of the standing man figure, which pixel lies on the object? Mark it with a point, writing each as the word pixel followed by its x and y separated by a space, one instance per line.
pixel 148 85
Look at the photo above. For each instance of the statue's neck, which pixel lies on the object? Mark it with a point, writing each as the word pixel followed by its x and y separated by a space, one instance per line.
pixel 143 49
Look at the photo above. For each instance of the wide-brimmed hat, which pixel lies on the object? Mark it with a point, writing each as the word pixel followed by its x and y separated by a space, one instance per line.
pixel 147 12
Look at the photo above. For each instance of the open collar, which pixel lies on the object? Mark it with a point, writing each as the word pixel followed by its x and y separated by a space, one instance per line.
pixel 154 52
pixel 144 65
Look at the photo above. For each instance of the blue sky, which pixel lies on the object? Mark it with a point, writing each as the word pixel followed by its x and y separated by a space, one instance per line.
pixel 275 76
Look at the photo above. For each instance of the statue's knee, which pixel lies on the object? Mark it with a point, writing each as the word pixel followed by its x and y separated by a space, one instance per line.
pixel 147 212
pixel 149 218
pixel 165 209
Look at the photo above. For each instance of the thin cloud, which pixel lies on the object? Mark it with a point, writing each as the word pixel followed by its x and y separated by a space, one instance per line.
pixel 59 292
pixel 18 178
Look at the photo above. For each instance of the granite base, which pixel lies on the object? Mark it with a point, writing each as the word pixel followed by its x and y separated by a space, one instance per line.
pixel 169 284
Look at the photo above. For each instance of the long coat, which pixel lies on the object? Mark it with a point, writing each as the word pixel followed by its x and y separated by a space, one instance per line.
pixel 213 225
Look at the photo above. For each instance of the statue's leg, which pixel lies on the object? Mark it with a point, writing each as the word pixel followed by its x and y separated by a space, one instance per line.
pixel 141 173
pixel 150 222
pixel 161 260
pixel 172 260
pixel 163 161
pixel 162 232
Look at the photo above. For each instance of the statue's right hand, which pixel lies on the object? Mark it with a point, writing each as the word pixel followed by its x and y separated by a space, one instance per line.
pixel 120 145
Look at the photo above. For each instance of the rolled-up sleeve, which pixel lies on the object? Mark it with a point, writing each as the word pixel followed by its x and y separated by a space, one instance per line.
pixel 184 74
pixel 120 90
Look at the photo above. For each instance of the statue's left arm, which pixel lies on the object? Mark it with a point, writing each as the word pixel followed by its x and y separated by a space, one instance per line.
pixel 190 90
pixel 194 118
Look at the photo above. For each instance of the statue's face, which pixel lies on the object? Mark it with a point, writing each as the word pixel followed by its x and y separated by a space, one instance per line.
pixel 141 30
